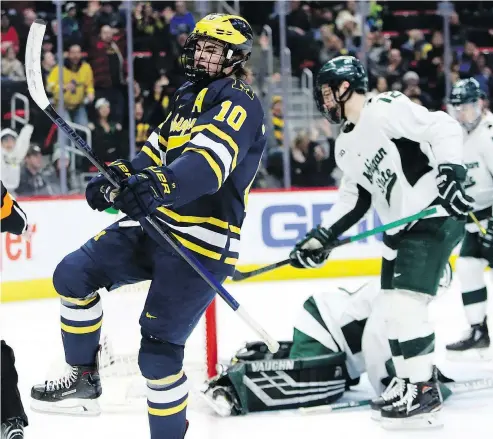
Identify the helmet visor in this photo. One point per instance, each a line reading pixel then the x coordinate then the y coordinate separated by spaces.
pixel 467 115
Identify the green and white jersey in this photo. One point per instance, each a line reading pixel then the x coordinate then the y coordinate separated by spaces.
pixel 478 158
pixel 389 160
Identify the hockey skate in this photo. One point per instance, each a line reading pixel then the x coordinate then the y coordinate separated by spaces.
pixel 475 345
pixel 394 392
pixel 75 393
pixel 418 408
pixel 13 429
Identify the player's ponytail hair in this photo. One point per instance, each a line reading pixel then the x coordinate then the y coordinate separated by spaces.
pixel 241 73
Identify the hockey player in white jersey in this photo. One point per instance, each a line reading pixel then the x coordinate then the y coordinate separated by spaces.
pixel 476 251
pixel 400 158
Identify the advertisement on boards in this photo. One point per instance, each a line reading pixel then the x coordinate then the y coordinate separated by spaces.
pixel 275 221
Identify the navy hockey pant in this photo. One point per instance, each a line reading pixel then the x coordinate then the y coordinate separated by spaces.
pixel 176 300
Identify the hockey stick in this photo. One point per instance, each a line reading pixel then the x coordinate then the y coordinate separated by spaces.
pixel 242 275
pixel 457 387
pixel 482 230
pixel 38 94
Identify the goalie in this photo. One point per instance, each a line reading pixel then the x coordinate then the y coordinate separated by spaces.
pixel 338 336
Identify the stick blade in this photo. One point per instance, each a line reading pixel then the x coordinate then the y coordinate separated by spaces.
pixel 33 64
pixel 239 275
pixel 272 343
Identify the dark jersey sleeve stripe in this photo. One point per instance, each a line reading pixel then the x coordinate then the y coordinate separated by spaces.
pixel 362 205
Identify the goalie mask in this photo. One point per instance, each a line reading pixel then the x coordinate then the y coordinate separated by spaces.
pixel 219 42
pixel 464 103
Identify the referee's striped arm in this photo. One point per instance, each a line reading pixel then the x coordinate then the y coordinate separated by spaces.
pixel 13 218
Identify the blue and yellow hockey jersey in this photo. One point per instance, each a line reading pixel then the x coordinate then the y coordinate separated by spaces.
pixel 212 140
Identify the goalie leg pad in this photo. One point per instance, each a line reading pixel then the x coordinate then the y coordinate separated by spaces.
pixel 167 388
pixel 279 383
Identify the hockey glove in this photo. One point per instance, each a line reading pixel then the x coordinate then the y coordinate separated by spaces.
pixel 313 249
pixel 99 190
pixel 451 193
pixel 486 242
pixel 143 193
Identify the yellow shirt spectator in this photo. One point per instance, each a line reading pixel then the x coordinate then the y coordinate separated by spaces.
pixel 78 80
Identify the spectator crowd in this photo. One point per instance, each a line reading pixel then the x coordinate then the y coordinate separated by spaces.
pixel 401 42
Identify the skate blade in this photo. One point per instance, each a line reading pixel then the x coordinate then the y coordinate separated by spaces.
pixel 71 407
pixel 471 355
pixel 418 422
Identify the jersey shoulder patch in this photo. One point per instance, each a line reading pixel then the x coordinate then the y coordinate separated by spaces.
pixel 235 90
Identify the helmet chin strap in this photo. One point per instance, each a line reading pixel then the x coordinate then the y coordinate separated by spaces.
pixel 342 100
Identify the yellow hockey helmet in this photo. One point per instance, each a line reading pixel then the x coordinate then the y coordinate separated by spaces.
pixel 217 42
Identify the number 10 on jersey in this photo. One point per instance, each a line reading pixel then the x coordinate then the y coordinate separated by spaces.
pixel 236 116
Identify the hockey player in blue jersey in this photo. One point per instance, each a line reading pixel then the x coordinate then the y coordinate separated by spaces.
pixel 193 173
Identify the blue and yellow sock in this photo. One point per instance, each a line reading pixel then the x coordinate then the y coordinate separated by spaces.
pixel 81 321
pixel 167 401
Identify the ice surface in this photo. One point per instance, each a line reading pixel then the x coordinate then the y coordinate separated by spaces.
pixel 32 329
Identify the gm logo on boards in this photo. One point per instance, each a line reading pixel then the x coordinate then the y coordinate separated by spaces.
pixel 284 225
